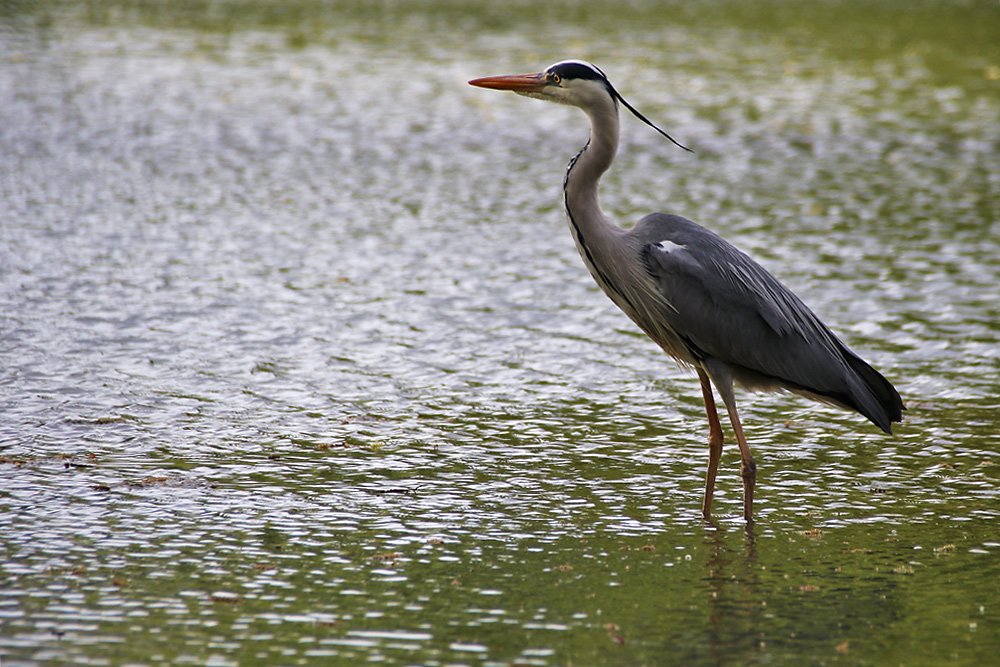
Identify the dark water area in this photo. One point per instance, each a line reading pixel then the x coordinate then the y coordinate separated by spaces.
pixel 299 364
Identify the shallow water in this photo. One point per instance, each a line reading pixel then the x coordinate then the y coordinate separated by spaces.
pixel 298 363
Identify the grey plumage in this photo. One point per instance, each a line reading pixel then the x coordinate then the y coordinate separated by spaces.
pixel 733 312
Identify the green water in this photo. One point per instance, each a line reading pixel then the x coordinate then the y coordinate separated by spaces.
pixel 299 365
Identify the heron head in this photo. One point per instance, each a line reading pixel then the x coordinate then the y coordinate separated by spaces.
pixel 573 82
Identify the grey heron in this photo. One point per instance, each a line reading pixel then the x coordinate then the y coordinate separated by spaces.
pixel 703 301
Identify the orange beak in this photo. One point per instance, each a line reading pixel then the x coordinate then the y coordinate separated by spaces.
pixel 519 83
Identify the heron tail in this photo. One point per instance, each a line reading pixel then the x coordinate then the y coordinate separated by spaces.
pixel 876 398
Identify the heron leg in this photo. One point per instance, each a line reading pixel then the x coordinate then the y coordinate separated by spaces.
pixel 723 381
pixel 748 467
pixel 714 441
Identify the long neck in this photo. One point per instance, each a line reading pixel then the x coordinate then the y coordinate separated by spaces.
pixel 597 238
pixel 585 171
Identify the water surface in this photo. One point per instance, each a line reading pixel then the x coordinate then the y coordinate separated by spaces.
pixel 298 363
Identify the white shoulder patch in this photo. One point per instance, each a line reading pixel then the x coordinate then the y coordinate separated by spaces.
pixel 669 246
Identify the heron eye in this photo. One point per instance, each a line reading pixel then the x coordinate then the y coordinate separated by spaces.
pixel 555 79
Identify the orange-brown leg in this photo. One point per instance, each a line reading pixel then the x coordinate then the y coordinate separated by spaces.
pixel 714 441
pixel 748 467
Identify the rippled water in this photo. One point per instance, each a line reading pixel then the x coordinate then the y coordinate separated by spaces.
pixel 298 364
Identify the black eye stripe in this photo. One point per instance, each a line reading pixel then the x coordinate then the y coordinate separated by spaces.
pixel 576 71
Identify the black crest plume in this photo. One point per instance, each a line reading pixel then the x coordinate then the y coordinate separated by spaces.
pixel 635 112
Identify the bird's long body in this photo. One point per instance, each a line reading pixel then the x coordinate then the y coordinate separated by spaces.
pixel 702 300
pixel 732 312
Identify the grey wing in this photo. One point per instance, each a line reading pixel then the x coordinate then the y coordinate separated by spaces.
pixel 725 306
